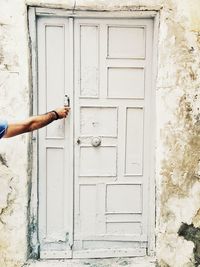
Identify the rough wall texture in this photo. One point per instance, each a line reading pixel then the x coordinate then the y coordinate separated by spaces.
pixel 177 153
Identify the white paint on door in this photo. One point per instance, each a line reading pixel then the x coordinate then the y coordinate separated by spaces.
pixel 112 97
pixel 54 140
pixel 111 180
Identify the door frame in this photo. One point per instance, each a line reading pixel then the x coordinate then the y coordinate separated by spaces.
pixel 33 14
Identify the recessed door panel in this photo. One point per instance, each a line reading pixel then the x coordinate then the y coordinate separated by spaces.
pixel 126 41
pixel 98 161
pixel 88 209
pixel 123 198
pixel 55 74
pixel 54 201
pixel 131 228
pixel 89 60
pixel 134 141
pixel 125 82
pixel 93 121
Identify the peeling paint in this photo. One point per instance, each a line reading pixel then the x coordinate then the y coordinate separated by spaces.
pixel 183 138
pixel 33 246
pixel 191 233
pixel 8 197
pixel 3 160
pixel 7 202
pixel 196 219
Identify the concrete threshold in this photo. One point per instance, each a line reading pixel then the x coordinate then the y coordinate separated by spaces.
pixel 111 262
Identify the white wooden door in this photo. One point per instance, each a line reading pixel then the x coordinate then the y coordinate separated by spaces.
pixel 93 183
pixel 55 159
pixel 112 123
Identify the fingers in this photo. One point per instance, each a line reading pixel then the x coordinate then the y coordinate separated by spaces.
pixel 63 112
pixel 66 110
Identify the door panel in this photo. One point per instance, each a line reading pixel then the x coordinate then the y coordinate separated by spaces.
pixel 134 141
pixel 121 80
pixel 93 121
pixel 55 183
pixel 54 140
pixel 121 199
pixel 89 82
pixel 98 162
pixel 122 41
pixel 112 175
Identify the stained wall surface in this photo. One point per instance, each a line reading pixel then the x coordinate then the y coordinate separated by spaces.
pixel 177 148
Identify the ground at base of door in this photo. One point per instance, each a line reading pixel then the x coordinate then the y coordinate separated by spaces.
pixel 112 262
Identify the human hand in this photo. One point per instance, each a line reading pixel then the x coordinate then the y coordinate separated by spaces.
pixel 62 112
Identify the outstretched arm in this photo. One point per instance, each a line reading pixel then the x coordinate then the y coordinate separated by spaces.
pixel 35 122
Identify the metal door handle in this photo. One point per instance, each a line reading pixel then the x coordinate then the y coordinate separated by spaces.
pixel 66 101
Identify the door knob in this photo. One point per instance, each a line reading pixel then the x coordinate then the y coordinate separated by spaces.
pixel 96 141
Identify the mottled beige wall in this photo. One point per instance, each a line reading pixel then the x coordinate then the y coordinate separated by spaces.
pixel 177 126
pixel 178 135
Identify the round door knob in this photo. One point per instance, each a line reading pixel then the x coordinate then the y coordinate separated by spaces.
pixel 96 141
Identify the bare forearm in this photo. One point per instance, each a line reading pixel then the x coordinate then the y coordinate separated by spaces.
pixel 40 121
pixel 36 122
pixel 30 124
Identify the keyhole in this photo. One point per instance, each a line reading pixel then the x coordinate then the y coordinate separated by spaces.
pixel 78 141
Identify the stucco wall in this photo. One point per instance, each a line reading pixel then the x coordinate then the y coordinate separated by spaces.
pixel 177 152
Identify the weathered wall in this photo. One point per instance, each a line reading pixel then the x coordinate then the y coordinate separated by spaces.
pixel 177 132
